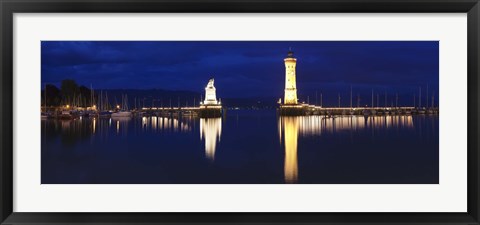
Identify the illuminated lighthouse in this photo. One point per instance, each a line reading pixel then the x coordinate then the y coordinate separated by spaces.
pixel 290 80
pixel 290 106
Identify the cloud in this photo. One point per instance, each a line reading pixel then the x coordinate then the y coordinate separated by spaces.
pixel 246 68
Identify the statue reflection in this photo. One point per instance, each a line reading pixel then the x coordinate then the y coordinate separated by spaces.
pixel 210 130
pixel 290 126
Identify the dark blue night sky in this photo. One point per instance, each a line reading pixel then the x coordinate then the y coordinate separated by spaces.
pixel 246 68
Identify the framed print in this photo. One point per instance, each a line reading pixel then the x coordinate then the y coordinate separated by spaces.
pixel 198 112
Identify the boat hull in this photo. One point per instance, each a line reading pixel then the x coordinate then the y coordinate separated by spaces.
pixel 122 114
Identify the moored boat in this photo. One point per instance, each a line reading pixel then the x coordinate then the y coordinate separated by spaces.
pixel 123 111
pixel 122 114
pixel 45 115
pixel 104 114
pixel 67 115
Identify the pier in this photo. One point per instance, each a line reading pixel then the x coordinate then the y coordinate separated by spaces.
pixel 292 107
pixel 202 111
pixel 209 108
pixel 304 109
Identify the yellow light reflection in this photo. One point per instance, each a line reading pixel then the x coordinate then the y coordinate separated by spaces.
pixel 290 126
pixel 144 122
pixel 94 125
pixel 316 125
pixel 160 123
pixel 175 124
pixel 165 124
pixel 154 123
pixel 210 130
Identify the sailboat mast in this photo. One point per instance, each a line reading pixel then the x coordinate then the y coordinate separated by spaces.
pixel 385 104
pixel 372 99
pixel 427 95
pixel 396 100
pixel 321 99
pixel 126 102
pixel 91 95
pixel 414 100
pixel 350 96
pixel 433 100
pixel 100 101
pixel 419 97
pixel 45 97
pixel 106 101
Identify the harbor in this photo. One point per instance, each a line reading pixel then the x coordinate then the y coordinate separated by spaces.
pixel 208 108
pixel 240 112
pixel 211 106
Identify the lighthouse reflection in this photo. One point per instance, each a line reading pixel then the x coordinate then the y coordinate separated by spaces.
pixel 210 130
pixel 243 147
pixel 291 127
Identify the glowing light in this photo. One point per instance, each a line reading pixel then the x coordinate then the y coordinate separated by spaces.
pixel 118 106
pixel 210 106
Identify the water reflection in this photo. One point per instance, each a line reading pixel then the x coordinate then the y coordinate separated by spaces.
pixel 155 123
pixel 121 124
pixel 210 130
pixel 94 125
pixel 291 127
pixel 70 132
pixel 242 147
pixel 316 125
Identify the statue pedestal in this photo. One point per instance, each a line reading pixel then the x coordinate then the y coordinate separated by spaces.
pixel 210 111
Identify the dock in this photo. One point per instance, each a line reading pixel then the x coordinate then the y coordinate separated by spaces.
pixel 202 111
pixel 304 110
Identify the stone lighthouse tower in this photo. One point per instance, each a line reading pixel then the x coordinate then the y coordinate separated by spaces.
pixel 290 80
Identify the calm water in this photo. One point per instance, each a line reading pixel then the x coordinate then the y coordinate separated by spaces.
pixel 243 147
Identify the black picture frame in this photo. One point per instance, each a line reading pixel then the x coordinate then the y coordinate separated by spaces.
pixel 9 7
